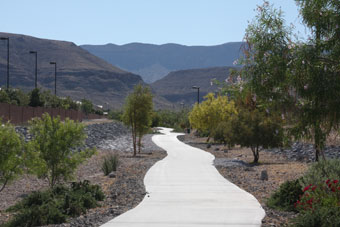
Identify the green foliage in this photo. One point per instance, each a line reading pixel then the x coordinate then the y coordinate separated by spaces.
pixel 54 206
pixel 138 114
pixel 54 146
pixel 254 129
pixel 86 106
pixel 4 98
pixel 35 99
pixel 220 132
pixel 286 196
pixel 110 164
pixel 207 115
pixel 319 205
pixel 178 120
pixel 321 171
pixel 115 115
pixel 298 78
pixel 11 154
pixel 322 217
pixel 17 97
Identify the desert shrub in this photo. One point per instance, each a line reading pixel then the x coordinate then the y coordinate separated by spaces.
pixel 286 196
pixel 178 120
pixel 11 154
pixel 54 206
pixel 319 205
pixel 110 164
pixel 220 132
pixel 321 171
pixel 53 148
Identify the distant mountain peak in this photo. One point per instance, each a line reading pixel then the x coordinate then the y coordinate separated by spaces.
pixel 141 58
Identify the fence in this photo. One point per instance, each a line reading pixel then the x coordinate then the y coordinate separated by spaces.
pixel 22 114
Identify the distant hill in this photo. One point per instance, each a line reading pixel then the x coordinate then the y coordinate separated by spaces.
pixel 153 62
pixel 176 87
pixel 79 73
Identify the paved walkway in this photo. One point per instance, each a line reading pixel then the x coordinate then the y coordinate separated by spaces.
pixel 186 190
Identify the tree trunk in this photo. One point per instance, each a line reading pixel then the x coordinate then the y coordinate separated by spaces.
pixel 318 140
pixel 134 141
pixel 256 154
pixel 139 143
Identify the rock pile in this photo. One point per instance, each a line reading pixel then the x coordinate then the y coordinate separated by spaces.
pixel 305 152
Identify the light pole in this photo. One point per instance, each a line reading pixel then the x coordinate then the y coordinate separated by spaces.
pixel 55 77
pixel 198 93
pixel 7 38
pixel 36 68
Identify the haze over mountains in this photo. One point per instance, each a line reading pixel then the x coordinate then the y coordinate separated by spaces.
pixel 79 73
pixel 153 62
pixel 176 87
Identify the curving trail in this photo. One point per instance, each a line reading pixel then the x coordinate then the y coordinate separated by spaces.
pixel 186 190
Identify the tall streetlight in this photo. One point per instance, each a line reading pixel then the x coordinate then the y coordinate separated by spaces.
pixel 55 77
pixel 198 93
pixel 7 38
pixel 36 67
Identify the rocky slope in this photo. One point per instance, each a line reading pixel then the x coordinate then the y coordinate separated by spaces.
pixel 79 73
pixel 176 87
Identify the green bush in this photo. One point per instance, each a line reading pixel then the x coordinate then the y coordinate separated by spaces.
pixel 321 171
pixel 53 148
pixel 319 205
pixel 286 196
pixel 110 164
pixel 54 206
pixel 12 155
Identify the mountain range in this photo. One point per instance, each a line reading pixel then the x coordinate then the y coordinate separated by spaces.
pixel 176 87
pixel 79 73
pixel 153 62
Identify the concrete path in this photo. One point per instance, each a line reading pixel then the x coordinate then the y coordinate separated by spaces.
pixel 186 190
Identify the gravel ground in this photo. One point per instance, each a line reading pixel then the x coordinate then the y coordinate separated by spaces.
pixel 123 192
pixel 235 165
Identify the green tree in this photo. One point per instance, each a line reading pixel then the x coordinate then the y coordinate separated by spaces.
pixel 11 154
pixel 207 115
pixel 4 98
pixel 299 78
pixel 35 98
pixel 86 106
pixel 55 148
pixel 254 129
pixel 138 114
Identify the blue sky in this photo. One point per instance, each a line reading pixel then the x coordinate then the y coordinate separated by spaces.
pixel 188 22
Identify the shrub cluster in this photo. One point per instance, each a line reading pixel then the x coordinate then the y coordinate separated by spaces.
pixel 316 196
pixel 178 120
pixel 54 206
pixel 286 196
pixel 110 164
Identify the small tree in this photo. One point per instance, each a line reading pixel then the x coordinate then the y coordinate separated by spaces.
pixel 254 129
pixel 55 145
pixel 86 106
pixel 11 154
pixel 35 98
pixel 138 114
pixel 207 115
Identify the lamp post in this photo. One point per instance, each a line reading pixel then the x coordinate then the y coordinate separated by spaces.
pixel 55 77
pixel 198 93
pixel 7 38
pixel 36 68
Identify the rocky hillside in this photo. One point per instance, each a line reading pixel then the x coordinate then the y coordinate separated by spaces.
pixel 176 87
pixel 153 62
pixel 79 73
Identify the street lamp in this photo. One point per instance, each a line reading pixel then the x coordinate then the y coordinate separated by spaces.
pixel 55 77
pixel 198 93
pixel 7 38
pixel 36 67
